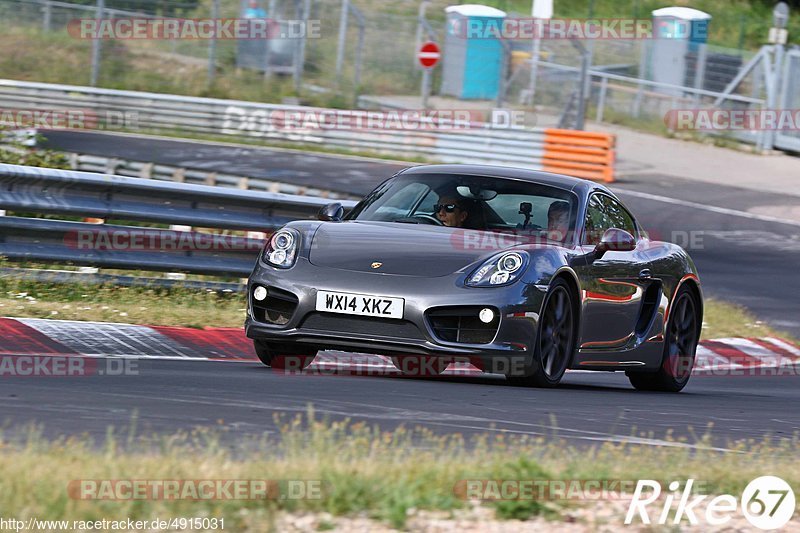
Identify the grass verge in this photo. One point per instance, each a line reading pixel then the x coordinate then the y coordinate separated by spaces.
pixel 135 305
pixel 361 470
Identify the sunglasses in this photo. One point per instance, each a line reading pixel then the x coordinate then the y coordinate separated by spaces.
pixel 448 208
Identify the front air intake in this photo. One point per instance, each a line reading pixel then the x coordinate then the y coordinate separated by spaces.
pixel 277 308
pixel 462 324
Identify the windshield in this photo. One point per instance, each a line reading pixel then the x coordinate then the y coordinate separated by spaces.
pixel 472 202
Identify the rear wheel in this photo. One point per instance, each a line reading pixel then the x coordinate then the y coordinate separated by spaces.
pixel 680 347
pixel 555 344
pixel 283 356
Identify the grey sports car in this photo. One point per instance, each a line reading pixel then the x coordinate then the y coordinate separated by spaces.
pixel 519 272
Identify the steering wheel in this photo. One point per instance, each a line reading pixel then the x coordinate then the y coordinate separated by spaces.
pixel 430 219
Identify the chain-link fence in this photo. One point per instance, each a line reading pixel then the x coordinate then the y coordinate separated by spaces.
pixel 376 54
pixel 628 81
pixel 371 51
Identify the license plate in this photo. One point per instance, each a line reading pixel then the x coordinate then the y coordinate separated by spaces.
pixel 360 304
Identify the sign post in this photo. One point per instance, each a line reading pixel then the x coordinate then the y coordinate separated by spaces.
pixel 427 56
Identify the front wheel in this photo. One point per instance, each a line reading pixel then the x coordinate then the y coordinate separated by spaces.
pixel 282 356
pixel 556 341
pixel 680 347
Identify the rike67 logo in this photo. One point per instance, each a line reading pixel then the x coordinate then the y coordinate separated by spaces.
pixel 767 502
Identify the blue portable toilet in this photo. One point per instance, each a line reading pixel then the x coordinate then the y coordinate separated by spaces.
pixel 472 59
pixel 682 24
pixel 679 33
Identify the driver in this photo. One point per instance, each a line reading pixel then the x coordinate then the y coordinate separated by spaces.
pixel 558 221
pixel 451 211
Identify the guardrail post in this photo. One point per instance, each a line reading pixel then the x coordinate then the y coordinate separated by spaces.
pixel 177 276
pixel 147 171
pixel 111 166
pixel 211 178
pixel 179 175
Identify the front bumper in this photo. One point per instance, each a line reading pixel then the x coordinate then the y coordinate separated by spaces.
pixel 517 306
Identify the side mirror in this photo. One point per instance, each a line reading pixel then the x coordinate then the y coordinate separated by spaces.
pixel 615 239
pixel 331 213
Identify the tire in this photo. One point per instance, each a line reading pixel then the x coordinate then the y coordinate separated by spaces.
pixel 555 340
pixel 283 356
pixel 420 365
pixel 680 347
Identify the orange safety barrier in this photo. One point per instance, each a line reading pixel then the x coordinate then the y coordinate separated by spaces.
pixel 583 154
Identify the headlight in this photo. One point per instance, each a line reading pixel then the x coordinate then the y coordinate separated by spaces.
pixel 500 269
pixel 281 250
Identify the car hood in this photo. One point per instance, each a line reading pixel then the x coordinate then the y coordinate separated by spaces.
pixel 403 249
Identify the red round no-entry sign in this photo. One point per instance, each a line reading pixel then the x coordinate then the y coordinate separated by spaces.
pixel 429 54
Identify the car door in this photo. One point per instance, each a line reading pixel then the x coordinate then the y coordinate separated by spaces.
pixel 613 283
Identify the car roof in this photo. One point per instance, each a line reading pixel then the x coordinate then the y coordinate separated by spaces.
pixel 582 187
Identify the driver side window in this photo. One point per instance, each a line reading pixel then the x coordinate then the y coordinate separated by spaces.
pixel 602 214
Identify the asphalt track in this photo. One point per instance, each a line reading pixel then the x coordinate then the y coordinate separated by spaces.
pixel 240 399
pixel 740 258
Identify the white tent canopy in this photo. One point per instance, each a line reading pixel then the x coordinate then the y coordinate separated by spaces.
pixel 683 13
pixel 476 10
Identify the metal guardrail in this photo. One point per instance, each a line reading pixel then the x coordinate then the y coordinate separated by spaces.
pixel 81 194
pixel 151 112
pixel 157 171
pixel 14 140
